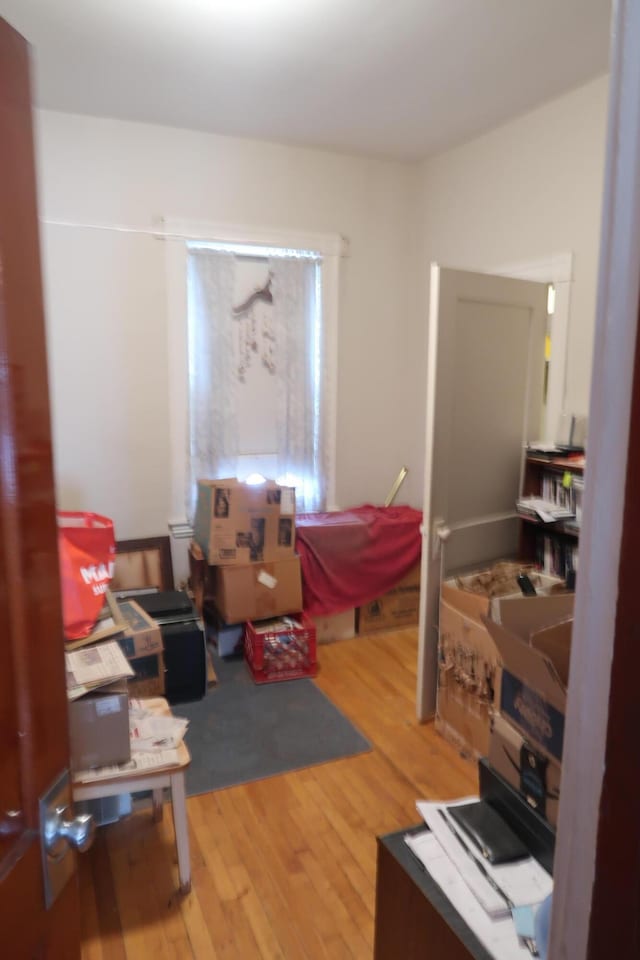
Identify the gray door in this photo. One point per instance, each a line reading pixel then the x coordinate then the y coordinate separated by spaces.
pixel 484 401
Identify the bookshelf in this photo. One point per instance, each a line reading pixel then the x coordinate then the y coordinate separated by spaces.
pixel 552 546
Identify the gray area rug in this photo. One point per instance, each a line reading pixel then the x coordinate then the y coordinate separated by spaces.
pixel 243 731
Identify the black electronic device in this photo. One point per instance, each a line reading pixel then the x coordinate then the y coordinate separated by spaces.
pixel 527 588
pixel 537 833
pixel 183 640
pixel 493 837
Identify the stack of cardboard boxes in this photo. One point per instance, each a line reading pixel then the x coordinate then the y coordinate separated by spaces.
pixel 243 563
pixel 122 656
pixel 503 675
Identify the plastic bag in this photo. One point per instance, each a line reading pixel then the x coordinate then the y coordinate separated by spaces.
pixel 86 546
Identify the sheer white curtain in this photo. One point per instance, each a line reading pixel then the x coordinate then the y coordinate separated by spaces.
pixel 213 435
pixel 297 312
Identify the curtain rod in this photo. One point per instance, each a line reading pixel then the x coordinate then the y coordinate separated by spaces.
pixel 233 236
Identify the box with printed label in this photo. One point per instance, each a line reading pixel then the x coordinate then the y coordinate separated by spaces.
pixel 398 607
pixel 257 591
pixel 533 639
pixel 142 636
pixel 469 663
pixel 534 776
pixel 99 727
pixel 239 523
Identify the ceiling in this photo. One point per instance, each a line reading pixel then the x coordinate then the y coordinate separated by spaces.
pixel 396 78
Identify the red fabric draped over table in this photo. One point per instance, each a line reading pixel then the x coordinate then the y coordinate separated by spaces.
pixel 350 557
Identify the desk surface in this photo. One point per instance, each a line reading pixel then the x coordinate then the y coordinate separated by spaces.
pixel 395 845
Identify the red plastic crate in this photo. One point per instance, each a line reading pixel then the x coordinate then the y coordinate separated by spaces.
pixel 284 653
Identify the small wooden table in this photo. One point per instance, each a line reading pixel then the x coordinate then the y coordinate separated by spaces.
pixel 156 781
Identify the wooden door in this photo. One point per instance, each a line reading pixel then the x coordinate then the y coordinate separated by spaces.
pixel 33 710
pixel 484 401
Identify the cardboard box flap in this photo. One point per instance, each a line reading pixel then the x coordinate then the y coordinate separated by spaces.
pixel 555 643
pixel 523 616
pixel 530 665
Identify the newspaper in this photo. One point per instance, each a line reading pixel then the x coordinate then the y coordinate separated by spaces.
pixel 148 731
pixel 91 667
pixel 141 762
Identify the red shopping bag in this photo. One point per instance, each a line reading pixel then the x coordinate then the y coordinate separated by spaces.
pixel 86 545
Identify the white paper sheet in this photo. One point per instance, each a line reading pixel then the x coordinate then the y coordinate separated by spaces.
pixel 498 936
pixel 140 763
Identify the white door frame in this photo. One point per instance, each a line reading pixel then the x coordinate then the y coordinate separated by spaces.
pixel 558 270
pixel 596 599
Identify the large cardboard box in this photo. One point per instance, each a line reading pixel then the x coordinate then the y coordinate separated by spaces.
pixel 469 662
pixel 399 607
pixel 99 727
pixel 258 591
pixel 238 523
pixel 335 626
pixel 533 639
pixel 535 777
pixel 468 680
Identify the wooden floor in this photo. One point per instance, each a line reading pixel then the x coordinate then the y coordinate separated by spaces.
pixel 284 867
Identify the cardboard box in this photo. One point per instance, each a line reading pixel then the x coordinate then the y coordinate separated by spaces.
pixel 258 591
pixel 149 679
pixel 99 727
pixel 237 523
pixel 335 626
pixel 469 662
pixel 399 607
pixel 534 645
pixel 142 635
pixel 468 681
pixel 534 776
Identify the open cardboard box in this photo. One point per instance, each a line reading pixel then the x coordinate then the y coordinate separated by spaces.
pixel 533 639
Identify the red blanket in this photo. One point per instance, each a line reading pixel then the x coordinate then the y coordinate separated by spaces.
pixel 353 556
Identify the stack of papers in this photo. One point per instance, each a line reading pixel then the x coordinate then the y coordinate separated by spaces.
pixel 151 731
pixel 92 667
pixel 140 763
pixel 500 894
pixel 544 510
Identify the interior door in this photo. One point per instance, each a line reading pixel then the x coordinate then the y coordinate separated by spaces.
pixel 484 401
pixel 33 710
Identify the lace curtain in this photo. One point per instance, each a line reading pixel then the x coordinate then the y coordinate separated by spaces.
pixel 213 433
pixel 298 367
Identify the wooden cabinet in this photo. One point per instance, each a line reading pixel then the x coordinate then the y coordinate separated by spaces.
pixel 553 547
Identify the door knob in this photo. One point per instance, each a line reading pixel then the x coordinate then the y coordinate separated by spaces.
pixel 60 833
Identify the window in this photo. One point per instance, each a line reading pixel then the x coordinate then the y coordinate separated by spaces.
pixel 252 358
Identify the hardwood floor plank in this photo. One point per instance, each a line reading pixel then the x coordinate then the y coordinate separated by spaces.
pixel 283 868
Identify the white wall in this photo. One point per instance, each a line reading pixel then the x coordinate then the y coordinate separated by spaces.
pixel 106 297
pixel 525 191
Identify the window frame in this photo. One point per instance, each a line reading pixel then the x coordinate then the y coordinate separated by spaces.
pixel 178 234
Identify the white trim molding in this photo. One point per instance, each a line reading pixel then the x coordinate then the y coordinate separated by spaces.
pixel 327 244
pixel 597 589
pixel 177 234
